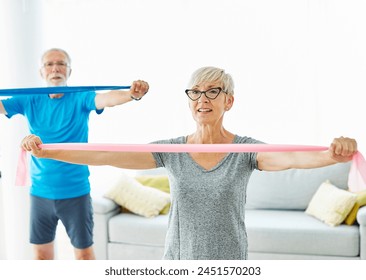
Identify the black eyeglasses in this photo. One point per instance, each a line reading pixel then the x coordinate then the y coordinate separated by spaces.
pixel 211 93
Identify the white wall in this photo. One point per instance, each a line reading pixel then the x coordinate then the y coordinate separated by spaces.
pixel 299 66
pixel 21 40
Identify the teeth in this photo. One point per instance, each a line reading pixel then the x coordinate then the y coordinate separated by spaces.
pixel 204 110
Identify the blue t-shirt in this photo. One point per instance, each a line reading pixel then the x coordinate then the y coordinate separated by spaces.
pixel 63 120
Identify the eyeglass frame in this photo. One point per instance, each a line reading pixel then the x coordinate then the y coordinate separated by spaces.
pixel 61 64
pixel 204 92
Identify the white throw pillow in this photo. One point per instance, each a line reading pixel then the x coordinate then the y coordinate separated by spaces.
pixel 331 204
pixel 137 198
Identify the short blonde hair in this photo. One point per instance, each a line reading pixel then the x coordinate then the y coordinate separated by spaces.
pixel 213 74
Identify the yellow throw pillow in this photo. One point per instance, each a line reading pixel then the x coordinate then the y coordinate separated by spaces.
pixel 360 201
pixel 160 182
pixel 331 204
pixel 139 199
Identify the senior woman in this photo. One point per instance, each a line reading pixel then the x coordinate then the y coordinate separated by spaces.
pixel 208 190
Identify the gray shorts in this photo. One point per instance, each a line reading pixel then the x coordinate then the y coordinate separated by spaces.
pixel 75 213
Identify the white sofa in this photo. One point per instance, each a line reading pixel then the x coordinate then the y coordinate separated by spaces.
pixel 277 225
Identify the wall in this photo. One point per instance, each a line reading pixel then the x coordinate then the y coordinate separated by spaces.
pixel 299 66
pixel 20 26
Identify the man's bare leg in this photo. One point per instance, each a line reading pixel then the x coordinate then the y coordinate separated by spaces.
pixel 44 251
pixel 84 254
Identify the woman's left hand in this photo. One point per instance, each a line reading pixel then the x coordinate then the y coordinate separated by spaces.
pixel 342 149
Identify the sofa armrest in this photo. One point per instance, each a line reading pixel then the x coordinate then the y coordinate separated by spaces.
pixel 103 209
pixel 361 219
pixel 361 216
pixel 102 205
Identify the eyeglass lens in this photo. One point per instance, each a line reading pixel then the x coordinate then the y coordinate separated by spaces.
pixel 210 94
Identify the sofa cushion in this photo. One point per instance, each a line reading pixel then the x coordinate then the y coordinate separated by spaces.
pixel 135 197
pixel 331 204
pixel 292 189
pixel 122 251
pixel 133 229
pixel 270 231
pixel 294 232
pixel 160 182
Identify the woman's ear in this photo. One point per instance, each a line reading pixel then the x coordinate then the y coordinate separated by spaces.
pixel 229 102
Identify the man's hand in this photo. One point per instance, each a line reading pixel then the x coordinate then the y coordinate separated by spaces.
pixel 30 143
pixel 342 149
pixel 138 89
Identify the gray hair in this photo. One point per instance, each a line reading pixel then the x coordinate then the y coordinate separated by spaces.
pixel 57 50
pixel 213 74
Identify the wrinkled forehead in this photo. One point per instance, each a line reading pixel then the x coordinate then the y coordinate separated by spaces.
pixel 55 56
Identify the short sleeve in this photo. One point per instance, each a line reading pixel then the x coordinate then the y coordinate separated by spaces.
pixel 89 98
pixel 14 105
pixel 159 157
pixel 252 156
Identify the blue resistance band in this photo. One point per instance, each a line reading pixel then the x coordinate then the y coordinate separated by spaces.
pixel 51 90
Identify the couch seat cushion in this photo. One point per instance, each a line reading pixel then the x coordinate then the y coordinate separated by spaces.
pixel 134 229
pixel 294 232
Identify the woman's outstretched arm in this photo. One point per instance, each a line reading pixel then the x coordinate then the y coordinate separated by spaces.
pixel 127 160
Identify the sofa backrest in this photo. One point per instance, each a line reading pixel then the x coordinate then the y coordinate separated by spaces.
pixel 294 188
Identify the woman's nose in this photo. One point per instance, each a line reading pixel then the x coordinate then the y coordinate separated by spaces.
pixel 203 98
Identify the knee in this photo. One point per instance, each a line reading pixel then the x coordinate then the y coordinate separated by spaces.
pixel 85 254
pixel 44 252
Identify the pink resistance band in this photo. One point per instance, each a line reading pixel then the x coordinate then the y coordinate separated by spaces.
pixel 356 178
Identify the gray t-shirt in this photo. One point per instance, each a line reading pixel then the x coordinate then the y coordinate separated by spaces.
pixel 206 219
